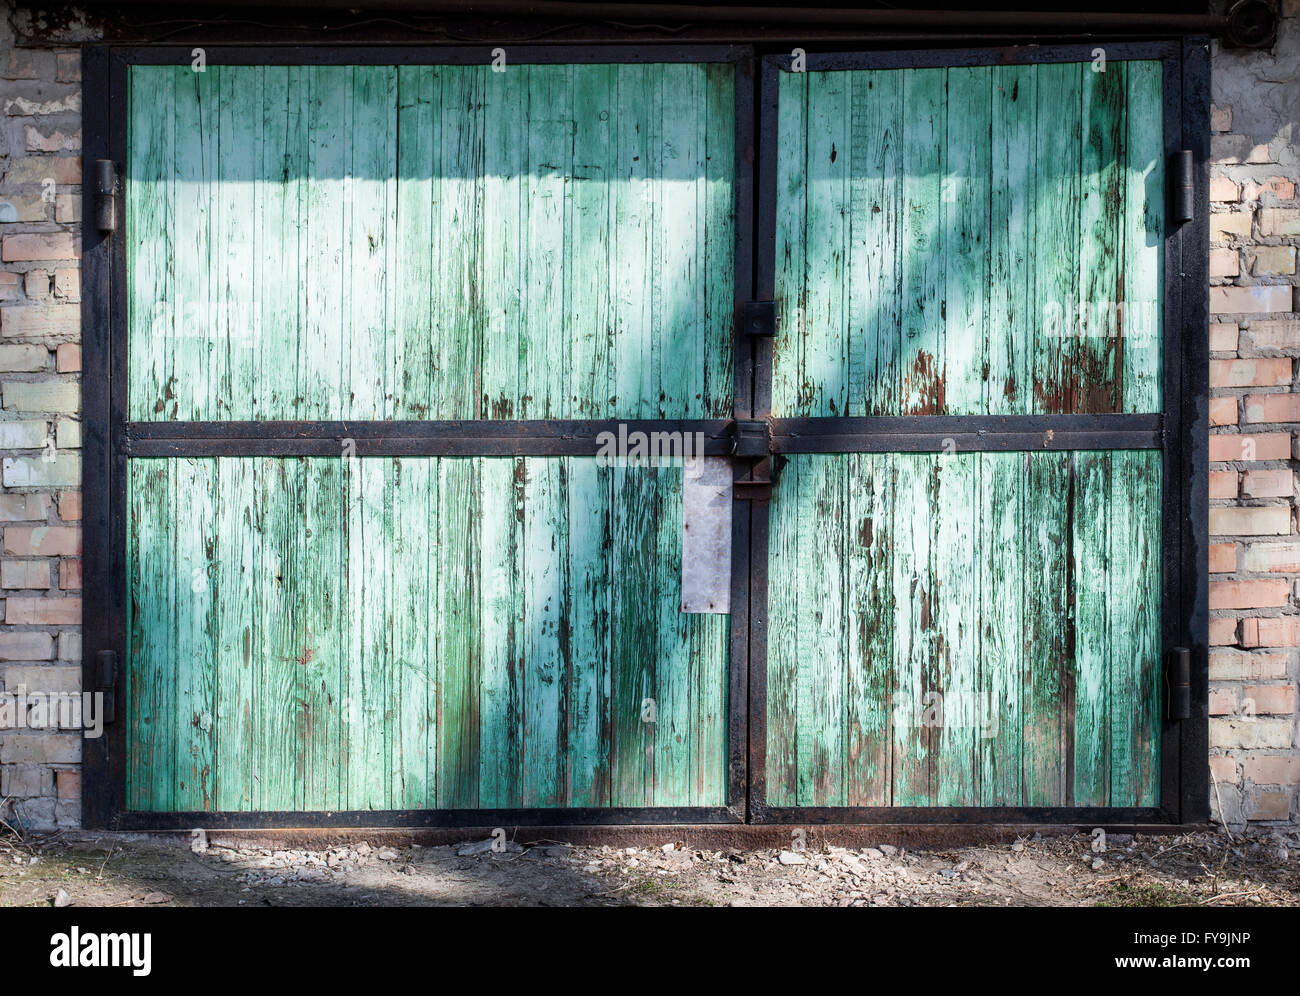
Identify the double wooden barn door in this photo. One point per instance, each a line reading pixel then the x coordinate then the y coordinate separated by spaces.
pixel 372 322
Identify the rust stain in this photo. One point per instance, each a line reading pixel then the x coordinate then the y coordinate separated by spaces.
pixel 924 382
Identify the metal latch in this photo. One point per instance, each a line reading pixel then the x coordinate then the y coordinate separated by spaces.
pixel 760 317
pixel 106 680
pixel 1178 682
pixel 1184 172
pixel 105 195
pixel 752 441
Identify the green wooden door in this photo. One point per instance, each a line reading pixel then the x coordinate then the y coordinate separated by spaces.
pixel 964 602
pixel 348 590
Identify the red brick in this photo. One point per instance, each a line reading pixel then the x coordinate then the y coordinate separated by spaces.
pixel 1259 594
pixel 70 506
pixel 67 358
pixel 1223 484
pixel 1223 631
pixel 1223 558
pixel 1279 186
pixel 1225 263
pixel 1256 446
pixel 1278 333
pixel 1273 770
pixel 1272 700
pixel 1271 806
pixel 70 575
pixel 50 245
pixel 43 611
pixel 1223 337
pixel 1223 190
pixel 1267 483
pixel 1272 557
pixel 68 784
pixel 1262 372
pixel 1270 408
pixel 1223 702
pixel 1224 769
pixel 42 541
pixel 1223 411
pixel 1282 631
pixel 1258 300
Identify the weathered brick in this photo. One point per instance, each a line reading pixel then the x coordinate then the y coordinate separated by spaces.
pixel 1267 483
pixel 37 472
pixel 67 358
pixel 42 541
pixel 1241 665
pixel 25 435
pixel 47 396
pixel 69 68
pixel 37 284
pixel 67 208
pixel 67 284
pixel 1250 300
pixel 16 645
pixel 52 139
pixel 70 575
pixel 1223 558
pixel 1278 631
pixel 1276 186
pixel 1230 226
pixel 1271 700
pixel 23 508
pixel 1271 372
pixel 42 611
pixel 1224 263
pixel 24 358
pixel 67 784
pixel 70 506
pixel 1280 221
pixel 63 170
pixel 35 748
pixel 9 286
pixel 1271 806
pixel 1271 261
pixel 1272 408
pixel 1223 337
pixel 1223 484
pixel 36 321
pixel 1282 557
pixel 49 245
pixel 67 434
pixel 1223 411
pixel 69 648
pixel 1221 119
pixel 1251 446
pixel 1224 768
pixel 1249 732
pixel 41 677
pixel 24 574
pixel 1268 520
pixel 1223 702
pixel 1223 190
pixel 21 781
pixel 1273 770
pixel 1256 594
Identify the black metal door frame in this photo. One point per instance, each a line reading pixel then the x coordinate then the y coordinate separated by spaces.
pixel 1180 431
pixel 111 438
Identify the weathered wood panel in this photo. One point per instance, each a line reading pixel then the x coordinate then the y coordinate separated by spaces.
pixel 327 634
pixel 376 242
pixel 974 629
pixel 969 240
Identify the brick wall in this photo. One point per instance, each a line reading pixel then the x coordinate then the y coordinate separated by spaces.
pixel 1255 434
pixel 40 431
pixel 1255 412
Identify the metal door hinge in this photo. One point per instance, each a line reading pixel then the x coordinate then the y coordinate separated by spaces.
pixel 1178 683
pixel 750 439
pixel 1184 185
pixel 760 317
pixel 106 681
pixel 105 195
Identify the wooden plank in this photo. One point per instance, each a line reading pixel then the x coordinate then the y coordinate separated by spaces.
pixel 674 733
pixel 869 598
pixel 967 210
pixel 234 566
pixel 505 224
pixel 588 516
pixel 1144 228
pixel 410 350
pixel 913 627
pixel 1092 600
pixel 875 220
pixel 150 233
pixel 954 600
pixel 789 391
pixel 460 647
pixel 150 678
pixel 1046 578
pixel 1134 616
pixel 1097 380
pixel 923 262
pixel 714 352
pixel 194 514
pixel 782 634
pixel 1003 529
pixel 410 716
pixel 1013 322
pixel 1056 236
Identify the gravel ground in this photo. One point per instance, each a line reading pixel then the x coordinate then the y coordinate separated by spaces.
pixel 1261 868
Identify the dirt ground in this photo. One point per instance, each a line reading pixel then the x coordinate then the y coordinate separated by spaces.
pixel 1261 868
